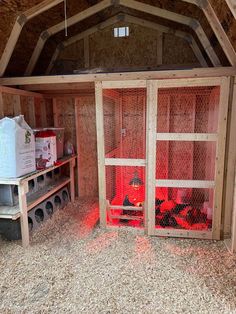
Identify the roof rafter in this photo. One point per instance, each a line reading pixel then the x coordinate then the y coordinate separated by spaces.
pixel 134 20
pixel 133 4
pixel 21 20
pixel 232 6
pixel 217 27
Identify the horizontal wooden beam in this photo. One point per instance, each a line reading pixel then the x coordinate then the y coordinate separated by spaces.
pixel 145 75
pixel 128 162
pixel 198 184
pixel 14 91
pixel 181 233
pixel 126 84
pixel 191 82
pixel 192 137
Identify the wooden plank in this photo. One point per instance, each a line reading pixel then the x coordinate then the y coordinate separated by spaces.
pixel 232 6
pixel 40 8
pixel 86 52
pixel 125 162
pixel 126 217
pixel 126 207
pixel 101 153
pixel 150 180
pixel 183 233
pixel 220 157
pixel 146 75
pixel 191 82
pixel 59 27
pixel 11 43
pixel 201 184
pixel 14 91
pixel 205 137
pixel 122 84
pixel 230 162
pixel 72 180
pixel 22 190
pixel 233 236
pixel 31 110
pixel 182 19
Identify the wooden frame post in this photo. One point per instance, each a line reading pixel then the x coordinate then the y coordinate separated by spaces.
pixel 1 106
pixel 233 234
pixel 220 156
pixel 150 184
pixel 101 153
pixel 22 190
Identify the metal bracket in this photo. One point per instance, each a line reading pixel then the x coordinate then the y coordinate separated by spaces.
pixel 194 24
pixel 22 19
pixel 45 35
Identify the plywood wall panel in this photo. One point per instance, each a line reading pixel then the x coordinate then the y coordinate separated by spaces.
pixel 87 147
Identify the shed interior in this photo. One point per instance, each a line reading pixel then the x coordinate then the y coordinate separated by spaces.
pixel 104 71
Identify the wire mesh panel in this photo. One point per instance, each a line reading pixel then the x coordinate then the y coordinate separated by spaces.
pixel 187 126
pixel 124 122
pixel 125 191
pixel 185 208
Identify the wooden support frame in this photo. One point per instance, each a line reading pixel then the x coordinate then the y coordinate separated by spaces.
pixel 217 27
pixel 133 4
pixel 101 153
pixel 17 28
pixel 233 235
pixel 232 6
pixel 59 27
pixel 121 76
pixel 134 20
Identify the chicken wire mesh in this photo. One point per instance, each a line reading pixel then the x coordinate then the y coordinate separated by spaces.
pixel 186 110
pixel 184 208
pixel 124 123
pixel 125 189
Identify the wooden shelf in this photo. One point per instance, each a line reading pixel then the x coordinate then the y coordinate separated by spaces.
pixel 13 212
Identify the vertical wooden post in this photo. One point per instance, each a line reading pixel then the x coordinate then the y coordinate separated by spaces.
pixel 1 106
pixel 31 109
pixel 150 182
pixel 22 190
pixel 220 156
pixel 72 180
pixel 101 153
pixel 86 52
pixel 159 48
pixel 16 105
pixel 230 160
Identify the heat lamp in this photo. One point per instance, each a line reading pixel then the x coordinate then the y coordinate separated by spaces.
pixel 136 182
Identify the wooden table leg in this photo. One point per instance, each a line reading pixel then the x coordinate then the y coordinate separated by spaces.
pixel 22 190
pixel 72 180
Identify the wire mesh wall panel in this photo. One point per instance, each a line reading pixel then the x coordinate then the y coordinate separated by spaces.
pixel 125 199
pixel 124 122
pixel 124 136
pixel 187 126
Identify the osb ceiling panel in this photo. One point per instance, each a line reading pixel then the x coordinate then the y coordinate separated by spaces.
pixel 10 9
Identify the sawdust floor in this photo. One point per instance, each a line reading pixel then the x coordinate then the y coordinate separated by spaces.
pixel 72 266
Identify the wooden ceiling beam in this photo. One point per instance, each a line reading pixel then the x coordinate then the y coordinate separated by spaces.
pixel 144 75
pixel 59 27
pixel 17 28
pixel 232 6
pixel 182 19
pixel 130 19
pixel 133 4
pixel 217 27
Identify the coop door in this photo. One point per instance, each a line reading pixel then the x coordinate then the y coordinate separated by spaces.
pixel 190 129
pixel 124 146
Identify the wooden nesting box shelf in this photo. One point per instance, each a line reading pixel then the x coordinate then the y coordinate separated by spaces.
pixel 27 203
